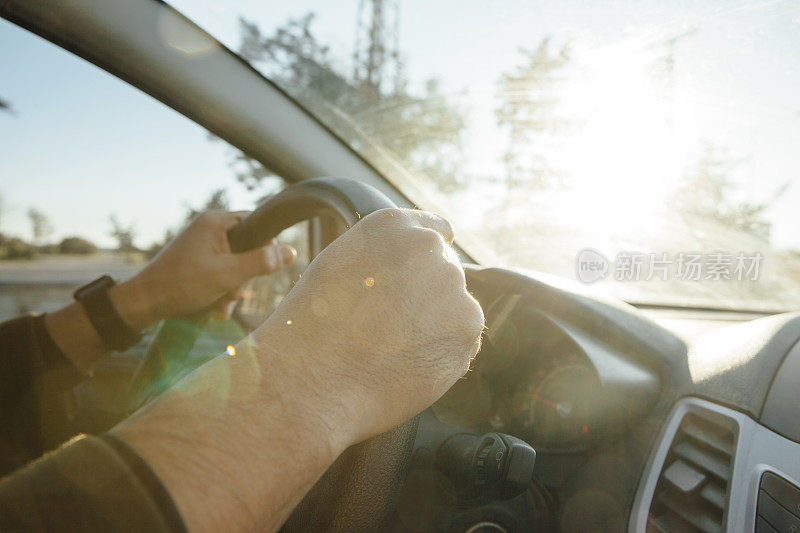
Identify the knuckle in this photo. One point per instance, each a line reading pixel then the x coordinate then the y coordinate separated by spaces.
pixel 206 218
pixel 386 217
pixel 447 227
pixel 437 222
pixel 470 317
pixel 462 357
pixel 478 321
pixel 455 271
pixel 428 240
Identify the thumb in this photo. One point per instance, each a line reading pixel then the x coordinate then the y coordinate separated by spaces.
pixel 264 260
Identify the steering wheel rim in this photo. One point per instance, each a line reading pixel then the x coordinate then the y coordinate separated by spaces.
pixel 358 491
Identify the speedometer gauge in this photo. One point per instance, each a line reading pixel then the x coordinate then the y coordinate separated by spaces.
pixel 558 411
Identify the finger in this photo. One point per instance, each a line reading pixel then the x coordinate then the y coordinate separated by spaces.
pixel 219 218
pixel 263 260
pixel 230 218
pixel 222 221
pixel 434 222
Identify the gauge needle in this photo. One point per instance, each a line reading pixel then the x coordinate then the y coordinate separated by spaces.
pixel 562 409
pixel 552 404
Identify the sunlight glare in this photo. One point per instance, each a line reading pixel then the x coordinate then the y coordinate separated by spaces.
pixel 632 141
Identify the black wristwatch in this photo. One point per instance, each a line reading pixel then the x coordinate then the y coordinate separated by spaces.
pixel 113 331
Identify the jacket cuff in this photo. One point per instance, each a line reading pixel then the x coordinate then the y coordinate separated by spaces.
pixel 89 484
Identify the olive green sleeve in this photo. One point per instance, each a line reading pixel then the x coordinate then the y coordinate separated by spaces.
pixel 89 484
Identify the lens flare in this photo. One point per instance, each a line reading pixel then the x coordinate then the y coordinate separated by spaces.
pixel 231 350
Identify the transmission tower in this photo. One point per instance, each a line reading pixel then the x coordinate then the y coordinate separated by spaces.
pixel 376 61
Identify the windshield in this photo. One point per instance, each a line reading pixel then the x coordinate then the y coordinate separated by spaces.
pixel 648 148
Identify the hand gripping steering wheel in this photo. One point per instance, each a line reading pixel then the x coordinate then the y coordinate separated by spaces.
pixel 357 492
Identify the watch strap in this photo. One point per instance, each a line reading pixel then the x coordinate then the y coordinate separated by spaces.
pixel 115 334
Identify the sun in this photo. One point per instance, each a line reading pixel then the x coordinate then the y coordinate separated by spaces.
pixel 631 140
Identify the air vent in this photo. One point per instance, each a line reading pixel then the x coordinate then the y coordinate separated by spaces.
pixel 692 489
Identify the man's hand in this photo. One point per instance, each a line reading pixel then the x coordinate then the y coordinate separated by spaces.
pixel 197 271
pixel 377 329
pixel 387 303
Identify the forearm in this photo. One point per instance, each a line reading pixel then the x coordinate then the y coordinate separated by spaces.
pixel 74 334
pixel 196 272
pixel 239 442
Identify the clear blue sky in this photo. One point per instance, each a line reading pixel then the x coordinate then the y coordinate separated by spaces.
pixel 82 144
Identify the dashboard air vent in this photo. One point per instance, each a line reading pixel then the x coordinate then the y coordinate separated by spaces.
pixel 692 489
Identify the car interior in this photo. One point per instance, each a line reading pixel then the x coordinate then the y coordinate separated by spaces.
pixel 583 410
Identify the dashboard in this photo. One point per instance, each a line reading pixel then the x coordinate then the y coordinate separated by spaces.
pixel 757 452
pixel 546 382
pixel 635 427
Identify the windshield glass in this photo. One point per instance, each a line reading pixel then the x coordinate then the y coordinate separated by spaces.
pixel 649 148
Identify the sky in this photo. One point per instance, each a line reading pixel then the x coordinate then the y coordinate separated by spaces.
pixel 81 144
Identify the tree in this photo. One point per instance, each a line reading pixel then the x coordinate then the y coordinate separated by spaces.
pixel 709 191
pixel 124 235
pixel 528 110
pixel 382 121
pixel 15 248
pixel 76 245
pixel 40 226
pixel 217 200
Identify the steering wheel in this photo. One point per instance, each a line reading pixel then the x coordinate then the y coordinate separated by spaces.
pixel 357 492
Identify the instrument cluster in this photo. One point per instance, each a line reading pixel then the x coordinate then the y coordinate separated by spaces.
pixel 536 379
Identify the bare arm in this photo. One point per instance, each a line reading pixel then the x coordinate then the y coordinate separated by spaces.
pixel 378 328
pixel 195 272
pixel 76 337
pixel 239 443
